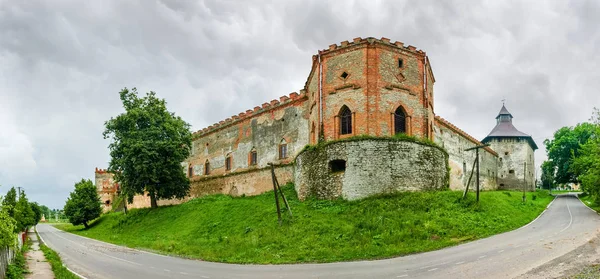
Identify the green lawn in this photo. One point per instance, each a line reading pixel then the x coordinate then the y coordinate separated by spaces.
pixel 245 229
pixel 589 201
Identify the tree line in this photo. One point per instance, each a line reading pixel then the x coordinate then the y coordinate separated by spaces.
pixel 17 214
pixel 574 157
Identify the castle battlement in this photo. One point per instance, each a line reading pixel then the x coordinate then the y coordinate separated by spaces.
pixel 250 113
pixel 370 40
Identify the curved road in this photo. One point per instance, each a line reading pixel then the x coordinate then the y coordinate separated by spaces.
pixel 564 226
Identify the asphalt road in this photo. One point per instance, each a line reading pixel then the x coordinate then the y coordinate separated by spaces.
pixel 564 226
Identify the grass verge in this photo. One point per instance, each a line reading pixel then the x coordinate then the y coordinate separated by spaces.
pixel 589 201
pixel 18 268
pixel 244 229
pixel 60 271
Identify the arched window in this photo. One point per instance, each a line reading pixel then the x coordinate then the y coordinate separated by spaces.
pixel 399 121
pixel 206 167
pixel 228 163
pixel 345 121
pixel 190 171
pixel 253 157
pixel 283 149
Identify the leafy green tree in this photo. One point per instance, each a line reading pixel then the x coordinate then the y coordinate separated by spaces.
pixel 547 178
pixel 587 165
pixel 7 230
pixel 564 147
pixel 83 204
pixel 149 144
pixel 23 213
pixel 37 212
pixel 9 202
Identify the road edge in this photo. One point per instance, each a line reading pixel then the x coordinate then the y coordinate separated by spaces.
pixel 45 243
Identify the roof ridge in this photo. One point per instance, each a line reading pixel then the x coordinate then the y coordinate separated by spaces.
pixel 463 133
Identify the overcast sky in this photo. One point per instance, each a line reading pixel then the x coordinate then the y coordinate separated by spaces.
pixel 62 64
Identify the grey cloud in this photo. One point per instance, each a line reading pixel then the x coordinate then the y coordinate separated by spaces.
pixel 63 63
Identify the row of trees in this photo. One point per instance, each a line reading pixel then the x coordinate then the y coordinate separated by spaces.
pixel 574 156
pixel 17 214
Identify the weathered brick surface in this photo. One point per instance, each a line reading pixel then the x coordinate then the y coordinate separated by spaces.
pixel 374 88
pixel 372 167
pixel 106 188
pixel 248 183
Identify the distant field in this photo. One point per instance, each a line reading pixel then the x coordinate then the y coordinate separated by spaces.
pixel 565 191
pixel 244 229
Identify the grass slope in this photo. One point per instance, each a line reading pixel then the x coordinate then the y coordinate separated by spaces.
pixel 589 201
pixel 245 230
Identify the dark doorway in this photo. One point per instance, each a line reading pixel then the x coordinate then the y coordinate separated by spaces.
pixel 337 165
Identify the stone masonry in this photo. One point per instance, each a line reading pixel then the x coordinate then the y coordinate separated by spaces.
pixel 368 167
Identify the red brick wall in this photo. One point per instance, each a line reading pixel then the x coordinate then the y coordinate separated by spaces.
pixel 374 87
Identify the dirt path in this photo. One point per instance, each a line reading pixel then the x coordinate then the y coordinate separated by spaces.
pixel 37 265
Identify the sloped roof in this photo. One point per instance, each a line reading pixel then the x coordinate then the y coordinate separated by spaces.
pixel 505 129
pixel 503 111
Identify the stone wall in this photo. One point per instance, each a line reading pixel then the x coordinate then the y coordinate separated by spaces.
pixel 358 168
pixel 513 154
pixel 455 141
pixel 261 131
pixel 249 183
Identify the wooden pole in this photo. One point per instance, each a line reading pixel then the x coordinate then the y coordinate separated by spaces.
pixel 275 193
pixel 287 205
pixel 524 181
pixel 477 160
pixel 469 181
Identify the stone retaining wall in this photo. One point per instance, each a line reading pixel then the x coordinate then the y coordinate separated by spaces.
pixel 363 167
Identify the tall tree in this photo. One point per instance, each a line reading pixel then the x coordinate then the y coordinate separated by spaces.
pixel 83 204
pixel 587 164
pixel 23 213
pixel 9 202
pixel 564 147
pixel 547 177
pixel 149 144
pixel 7 230
pixel 37 212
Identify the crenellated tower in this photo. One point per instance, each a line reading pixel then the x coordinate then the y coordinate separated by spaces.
pixel 370 87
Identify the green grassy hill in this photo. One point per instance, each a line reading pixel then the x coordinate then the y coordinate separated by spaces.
pixel 245 229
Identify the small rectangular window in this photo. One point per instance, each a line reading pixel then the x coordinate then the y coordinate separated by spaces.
pixel 511 171
pixel 253 158
pixel 400 63
pixel 206 168
pixel 228 163
pixel 282 151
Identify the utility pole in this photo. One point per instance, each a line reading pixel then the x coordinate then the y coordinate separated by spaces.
pixel 477 162
pixel 19 192
pixel 524 180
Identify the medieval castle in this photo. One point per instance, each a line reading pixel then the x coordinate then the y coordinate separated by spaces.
pixel 358 96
